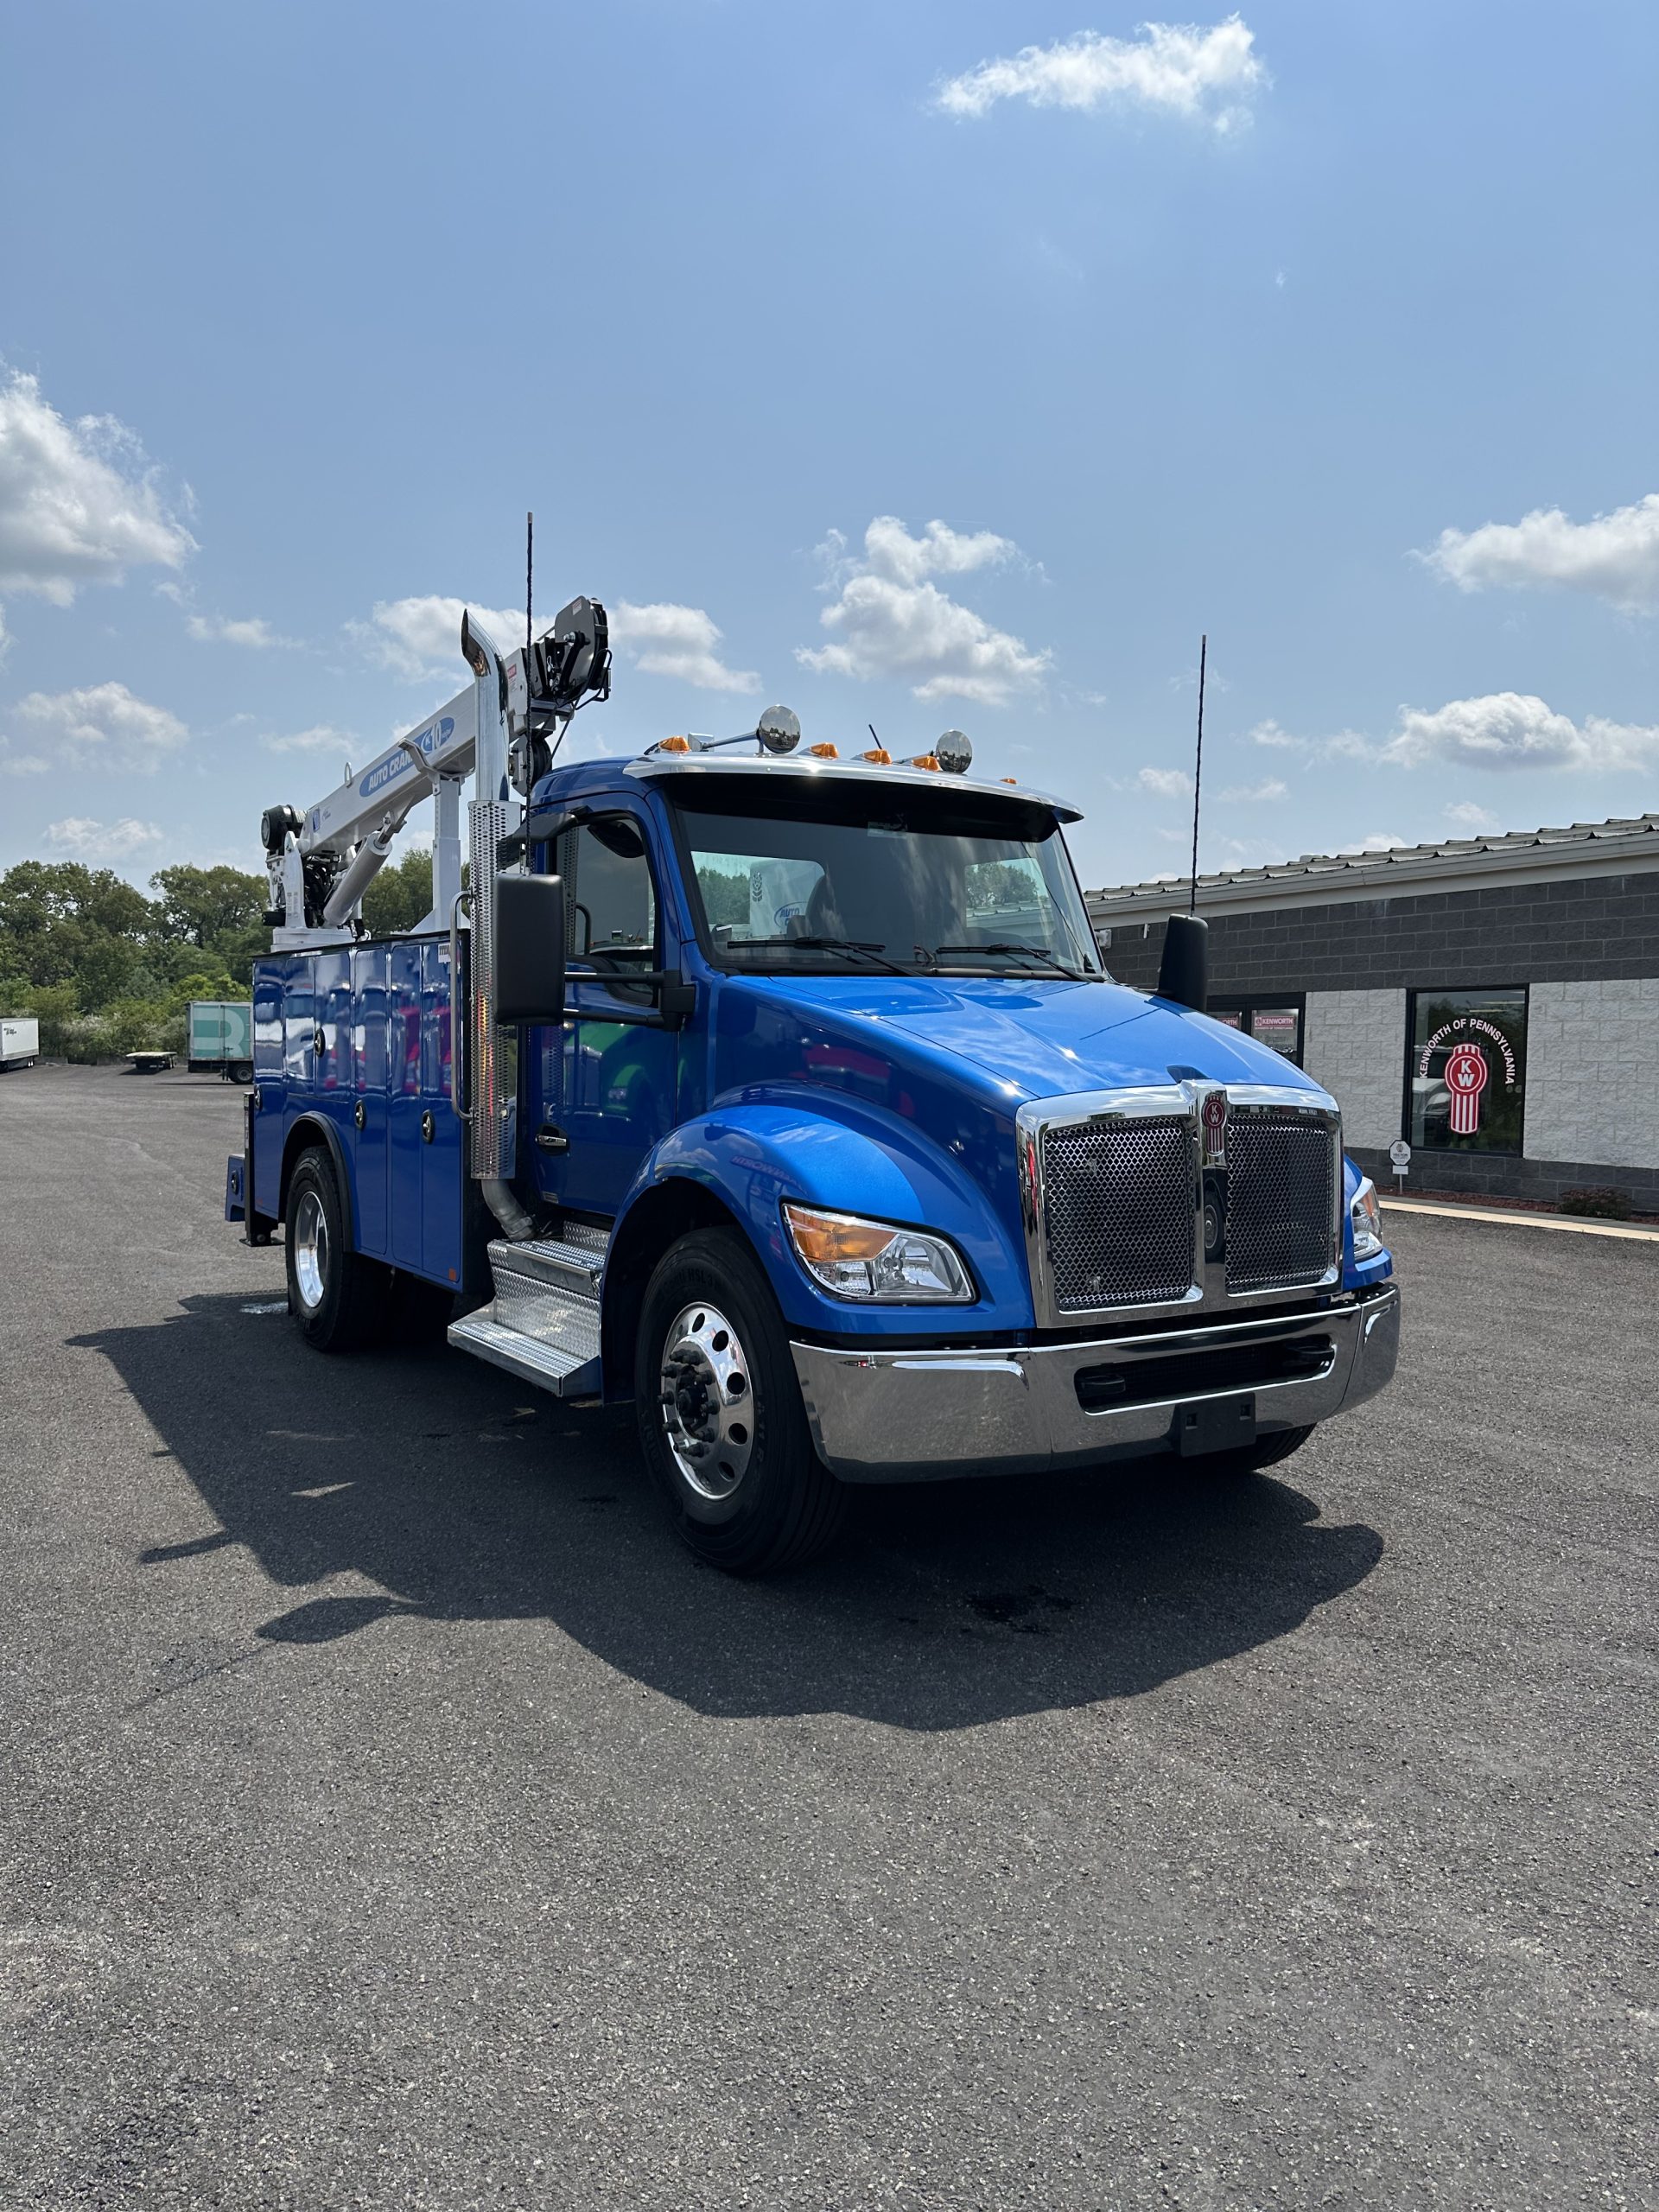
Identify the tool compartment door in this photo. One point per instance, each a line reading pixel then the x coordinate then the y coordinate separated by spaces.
pixel 404 1102
pixel 440 1154
pixel 371 965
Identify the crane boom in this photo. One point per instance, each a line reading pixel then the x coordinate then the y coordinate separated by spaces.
pixel 504 726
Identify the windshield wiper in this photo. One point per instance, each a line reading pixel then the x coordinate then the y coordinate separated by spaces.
pixel 1026 951
pixel 817 945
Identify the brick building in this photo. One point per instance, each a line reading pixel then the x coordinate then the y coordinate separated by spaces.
pixel 1494 1001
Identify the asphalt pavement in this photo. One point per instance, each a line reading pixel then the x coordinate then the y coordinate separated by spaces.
pixel 391 1815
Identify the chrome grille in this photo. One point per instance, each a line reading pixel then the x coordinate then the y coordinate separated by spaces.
pixel 1118 1211
pixel 1282 1198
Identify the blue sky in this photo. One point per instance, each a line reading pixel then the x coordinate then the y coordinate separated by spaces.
pixel 1168 330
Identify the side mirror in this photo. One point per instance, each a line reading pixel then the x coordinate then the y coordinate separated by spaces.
pixel 1184 971
pixel 529 949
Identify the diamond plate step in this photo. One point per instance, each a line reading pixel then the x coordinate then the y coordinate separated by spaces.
pixel 552 1367
pixel 561 1265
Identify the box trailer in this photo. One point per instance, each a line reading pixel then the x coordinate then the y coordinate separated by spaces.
pixel 20 1042
pixel 220 1035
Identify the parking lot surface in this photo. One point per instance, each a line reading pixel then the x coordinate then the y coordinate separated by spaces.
pixel 392 1816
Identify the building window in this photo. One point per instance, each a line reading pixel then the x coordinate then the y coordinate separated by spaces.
pixel 1466 1083
pixel 1276 1020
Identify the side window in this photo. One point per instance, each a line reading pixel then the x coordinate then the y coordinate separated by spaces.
pixel 610 900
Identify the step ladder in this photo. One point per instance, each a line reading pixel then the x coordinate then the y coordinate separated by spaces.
pixel 543 1323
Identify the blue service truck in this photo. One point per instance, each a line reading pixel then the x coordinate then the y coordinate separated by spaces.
pixel 786 1096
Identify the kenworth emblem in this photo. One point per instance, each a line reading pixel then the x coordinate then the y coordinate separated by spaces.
pixel 1465 1079
pixel 1214 1128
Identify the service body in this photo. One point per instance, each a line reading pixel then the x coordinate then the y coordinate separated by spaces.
pixel 786 1096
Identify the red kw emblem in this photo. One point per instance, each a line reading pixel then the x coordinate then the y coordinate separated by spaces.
pixel 1214 1116
pixel 1465 1079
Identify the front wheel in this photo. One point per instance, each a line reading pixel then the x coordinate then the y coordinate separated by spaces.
pixel 338 1297
pixel 721 1424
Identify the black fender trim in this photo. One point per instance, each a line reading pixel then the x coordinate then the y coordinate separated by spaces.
pixel 301 1138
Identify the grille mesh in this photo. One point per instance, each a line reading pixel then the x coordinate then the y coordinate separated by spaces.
pixel 1281 1198
pixel 1118 1213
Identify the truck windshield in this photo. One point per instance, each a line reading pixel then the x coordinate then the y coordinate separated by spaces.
pixel 832 879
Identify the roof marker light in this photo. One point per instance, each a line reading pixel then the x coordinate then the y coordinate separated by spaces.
pixel 824 752
pixel 926 760
pixel 881 757
pixel 673 744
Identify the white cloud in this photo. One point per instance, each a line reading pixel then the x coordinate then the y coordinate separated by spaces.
pixel 1346 745
pixel 419 636
pixel 891 551
pixel 1615 556
pixel 1269 787
pixel 78 502
pixel 1170 69
pixel 223 629
pixel 1167 783
pixel 84 839
pixel 323 737
pixel 679 642
pixel 1513 729
pixel 21 763
pixel 1379 841
pixel 889 622
pixel 101 726
pixel 1470 816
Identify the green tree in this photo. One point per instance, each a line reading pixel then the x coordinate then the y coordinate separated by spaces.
pixel 212 910
pixel 62 923
pixel 400 896
pixel 205 903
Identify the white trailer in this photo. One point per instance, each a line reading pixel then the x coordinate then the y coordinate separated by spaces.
pixel 20 1042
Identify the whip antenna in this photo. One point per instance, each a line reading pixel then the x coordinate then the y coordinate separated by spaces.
pixel 1198 777
pixel 530 574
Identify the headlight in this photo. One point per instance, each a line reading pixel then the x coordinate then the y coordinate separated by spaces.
pixel 1367 1218
pixel 854 1258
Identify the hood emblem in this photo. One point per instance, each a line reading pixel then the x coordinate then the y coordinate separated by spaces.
pixel 1213 1115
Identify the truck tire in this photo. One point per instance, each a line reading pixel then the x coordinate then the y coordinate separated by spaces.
pixel 721 1424
pixel 338 1297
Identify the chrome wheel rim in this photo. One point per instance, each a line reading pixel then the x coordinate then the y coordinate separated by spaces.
pixel 708 1400
pixel 310 1250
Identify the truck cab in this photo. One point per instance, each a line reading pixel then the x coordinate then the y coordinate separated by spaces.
pixel 789 1099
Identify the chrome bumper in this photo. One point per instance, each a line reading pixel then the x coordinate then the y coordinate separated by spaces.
pixel 914 1417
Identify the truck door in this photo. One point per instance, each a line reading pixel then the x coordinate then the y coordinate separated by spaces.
pixel 609 1078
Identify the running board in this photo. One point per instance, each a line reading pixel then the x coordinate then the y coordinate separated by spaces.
pixel 543 1325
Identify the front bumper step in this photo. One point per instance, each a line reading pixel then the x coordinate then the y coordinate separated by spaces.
pixel 920 1415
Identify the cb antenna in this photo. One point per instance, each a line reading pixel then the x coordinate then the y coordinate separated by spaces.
pixel 530 577
pixel 1198 777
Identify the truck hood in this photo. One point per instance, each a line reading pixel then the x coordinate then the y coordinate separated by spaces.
pixel 1039 1037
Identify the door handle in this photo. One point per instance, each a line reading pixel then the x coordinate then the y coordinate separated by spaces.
pixel 359 1113
pixel 319 1042
pixel 429 1127
pixel 550 1139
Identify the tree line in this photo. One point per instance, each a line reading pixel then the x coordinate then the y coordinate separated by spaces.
pixel 107 970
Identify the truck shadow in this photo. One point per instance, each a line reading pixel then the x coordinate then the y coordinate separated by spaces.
pixel 465 1495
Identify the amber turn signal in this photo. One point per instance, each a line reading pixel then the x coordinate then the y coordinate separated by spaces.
pixel 824 1238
